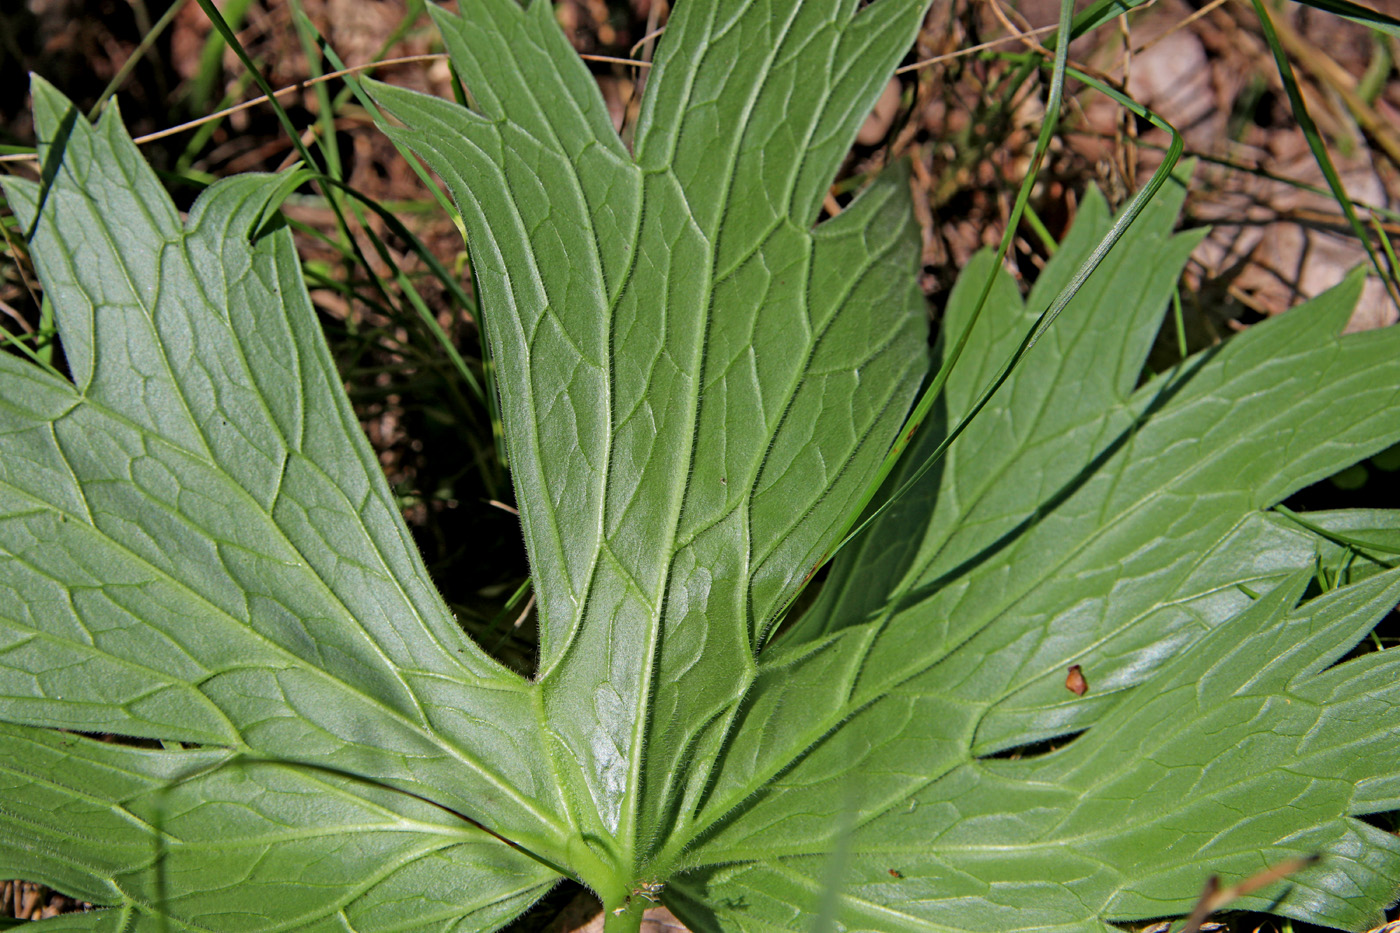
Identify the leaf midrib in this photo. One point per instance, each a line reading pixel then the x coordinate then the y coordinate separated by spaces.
pixel 628 823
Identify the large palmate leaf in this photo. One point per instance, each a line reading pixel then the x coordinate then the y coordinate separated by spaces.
pixel 696 384
pixel 682 462
pixel 197 546
pixel 1085 520
pixel 197 549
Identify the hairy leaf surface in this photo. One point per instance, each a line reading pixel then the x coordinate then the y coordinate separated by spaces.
pixel 696 384
pixel 1240 752
pixel 1084 520
pixel 178 842
pixel 197 545
pixel 199 555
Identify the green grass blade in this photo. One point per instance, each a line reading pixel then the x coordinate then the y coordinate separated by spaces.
pixel 1319 147
pixel 1125 219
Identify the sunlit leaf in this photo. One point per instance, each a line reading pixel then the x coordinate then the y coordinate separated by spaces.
pixel 1081 667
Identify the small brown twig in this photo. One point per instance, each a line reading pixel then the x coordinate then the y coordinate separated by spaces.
pixel 301 86
pixel 1213 897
